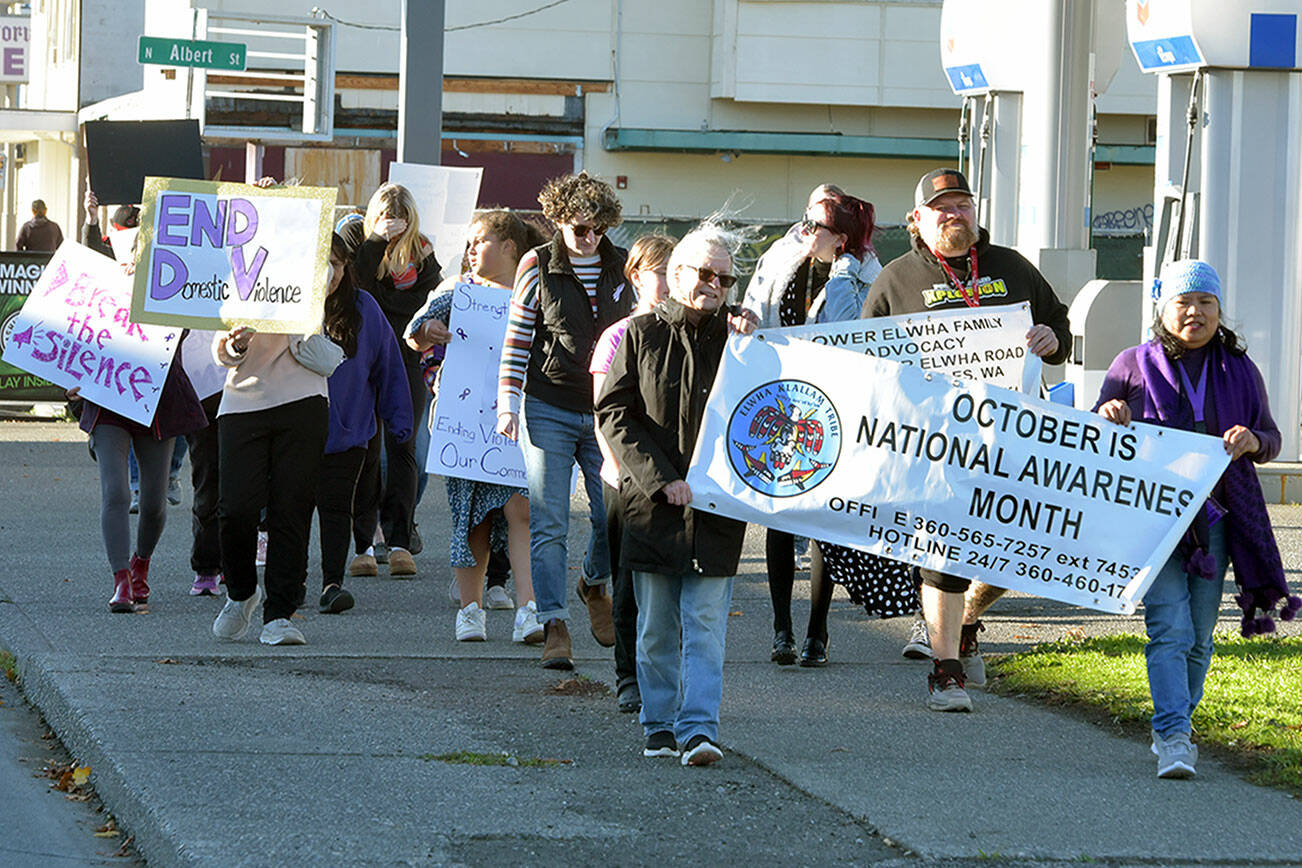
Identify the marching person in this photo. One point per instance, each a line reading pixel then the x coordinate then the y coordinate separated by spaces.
pixel 682 561
pixel 647 270
pixel 951 264
pixel 1195 375
pixel 396 265
pixel 567 292
pixel 485 516
pixel 371 379
pixel 39 233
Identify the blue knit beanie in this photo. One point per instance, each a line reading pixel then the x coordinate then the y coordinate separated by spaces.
pixel 1182 276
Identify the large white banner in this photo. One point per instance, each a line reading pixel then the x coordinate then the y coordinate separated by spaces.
pixel 463 436
pixel 987 344
pixel 445 200
pixel 75 330
pixel 952 475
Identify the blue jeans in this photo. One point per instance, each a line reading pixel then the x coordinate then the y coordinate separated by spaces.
pixel 1180 612
pixel 552 439
pixel 681 624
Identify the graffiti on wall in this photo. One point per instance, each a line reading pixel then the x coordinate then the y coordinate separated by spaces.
pixel 1126 221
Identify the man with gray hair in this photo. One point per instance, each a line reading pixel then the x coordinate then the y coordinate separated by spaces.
pixel 39 233
pixel 683 561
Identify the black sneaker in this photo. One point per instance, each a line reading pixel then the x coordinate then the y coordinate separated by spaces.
pixel 700 751
pixel 660 744
pixel 629 697
pixel 334 600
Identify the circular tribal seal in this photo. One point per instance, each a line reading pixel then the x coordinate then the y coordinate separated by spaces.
pixel 784 438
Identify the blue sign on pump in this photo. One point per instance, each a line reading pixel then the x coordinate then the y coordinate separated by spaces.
pixel 1273 41
pixel 966 78
pixel 1173 51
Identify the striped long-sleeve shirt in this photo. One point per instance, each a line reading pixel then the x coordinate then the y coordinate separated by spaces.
pixel 521 322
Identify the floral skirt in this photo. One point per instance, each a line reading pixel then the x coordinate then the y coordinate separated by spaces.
pixel 470 503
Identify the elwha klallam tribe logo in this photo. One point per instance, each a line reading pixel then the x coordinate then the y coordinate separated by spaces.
pixel 784 438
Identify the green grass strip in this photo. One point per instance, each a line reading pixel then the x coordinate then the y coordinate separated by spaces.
pixel 1251 711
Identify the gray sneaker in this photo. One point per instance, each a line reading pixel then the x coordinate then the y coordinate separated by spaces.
pixel 969 654
pixel 281 632
pixel 919 645
pixel 1176 755
pixel 235 618
pixel 945 688
pixel 174 490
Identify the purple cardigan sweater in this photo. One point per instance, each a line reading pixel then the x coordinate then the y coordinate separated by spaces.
pixel 1148 381
pixel 373 380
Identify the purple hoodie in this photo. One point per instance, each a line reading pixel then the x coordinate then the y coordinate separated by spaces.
pixel 372 381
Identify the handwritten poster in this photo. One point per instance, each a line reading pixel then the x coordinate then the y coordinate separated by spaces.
pixel 953 475
pixel 215 255
pixel 987 344
pixel 75 330
pixel 463 438
pixel 445 199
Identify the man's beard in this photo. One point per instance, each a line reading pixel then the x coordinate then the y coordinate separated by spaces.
pixel 957 236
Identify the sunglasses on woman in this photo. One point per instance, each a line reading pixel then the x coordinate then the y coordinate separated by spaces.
pixel 809 227
pixel 709 274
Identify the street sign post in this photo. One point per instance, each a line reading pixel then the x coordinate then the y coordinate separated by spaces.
pixel 229 56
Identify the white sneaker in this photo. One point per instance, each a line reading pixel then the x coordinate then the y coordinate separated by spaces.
pixel 1176 755
pixel 471 624
pixel 919 645
pixel 235 618
pixel 527 629
pixel 454 592
pixel 496 597
pixel 281 632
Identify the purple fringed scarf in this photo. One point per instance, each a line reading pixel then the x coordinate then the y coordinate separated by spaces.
pixel 1238 400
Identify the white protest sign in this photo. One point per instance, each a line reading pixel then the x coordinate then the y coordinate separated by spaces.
pixel 213 255
pixel 445 200
pixel 123 242
pixel 962 477
pixel 987 344
pixel 75 330
pixel 463 439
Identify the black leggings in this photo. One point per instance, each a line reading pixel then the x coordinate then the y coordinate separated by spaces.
pixel 780 556
pixel 335 486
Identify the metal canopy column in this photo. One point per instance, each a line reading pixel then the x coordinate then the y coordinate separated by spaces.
pixel 420 83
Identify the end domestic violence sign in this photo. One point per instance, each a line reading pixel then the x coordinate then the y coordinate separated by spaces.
pixel 75 330
pixel 215 255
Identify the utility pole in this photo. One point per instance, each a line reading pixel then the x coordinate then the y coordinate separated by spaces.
pixel 420 83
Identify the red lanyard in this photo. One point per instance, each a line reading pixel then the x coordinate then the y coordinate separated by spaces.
pixel 975 300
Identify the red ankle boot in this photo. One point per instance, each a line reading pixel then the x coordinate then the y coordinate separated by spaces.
pixel 139 579
pixel 121 601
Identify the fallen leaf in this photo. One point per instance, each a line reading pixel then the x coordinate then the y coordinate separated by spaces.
pixel 736 614
pixel 1240 725
pixel 80 775
pixel 168 660
pixel 109 833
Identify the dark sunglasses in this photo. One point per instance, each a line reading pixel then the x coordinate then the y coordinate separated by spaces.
pixel 709 274
pixel 809 227
pixel 581 231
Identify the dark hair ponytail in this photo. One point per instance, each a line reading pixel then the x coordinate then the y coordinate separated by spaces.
pixel 343 321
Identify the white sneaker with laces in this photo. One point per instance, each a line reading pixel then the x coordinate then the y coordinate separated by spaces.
pixel 281 632
pixel 496 597
pixel 527 629
pixel 919 645
pixel 1176 755
pixel 471 624
pixel 235 618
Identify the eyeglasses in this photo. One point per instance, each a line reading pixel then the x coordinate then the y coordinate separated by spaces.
pixel 581 231
pixel 708 275
pixel 809 227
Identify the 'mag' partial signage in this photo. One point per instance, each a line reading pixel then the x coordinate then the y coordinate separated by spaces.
pixel 19 273
pixel 214 255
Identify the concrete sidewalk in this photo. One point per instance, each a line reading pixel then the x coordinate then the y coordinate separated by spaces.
pixel 238 754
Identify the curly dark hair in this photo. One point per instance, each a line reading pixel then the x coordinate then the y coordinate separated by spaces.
pixel 568 197
pixel 343 321
pixel 1175 348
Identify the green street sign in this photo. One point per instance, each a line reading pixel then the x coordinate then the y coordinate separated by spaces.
pixel 192 52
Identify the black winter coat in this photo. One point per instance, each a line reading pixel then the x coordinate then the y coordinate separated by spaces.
pixel 650 412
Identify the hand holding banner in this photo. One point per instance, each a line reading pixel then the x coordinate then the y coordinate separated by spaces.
pixel 75 330
pixel 961 477
pixel 216 255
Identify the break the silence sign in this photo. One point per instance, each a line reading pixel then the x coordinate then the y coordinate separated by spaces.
pixel 987 344
pixel 76 330
pixel 463 437
pixel 953 475
pixel 215 255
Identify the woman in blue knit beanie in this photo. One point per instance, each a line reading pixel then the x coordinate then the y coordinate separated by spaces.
pixel 1195 375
